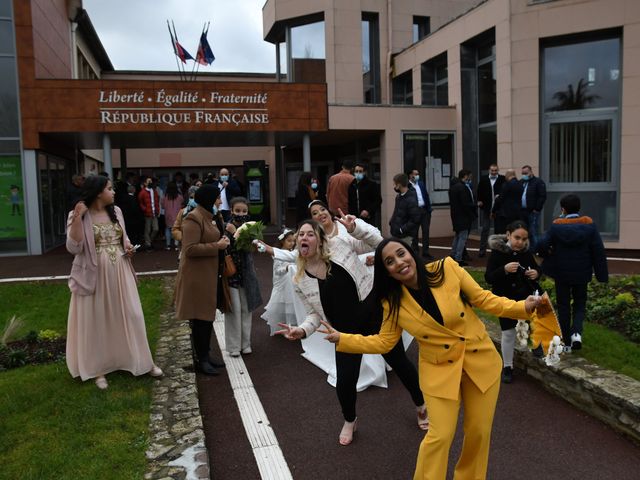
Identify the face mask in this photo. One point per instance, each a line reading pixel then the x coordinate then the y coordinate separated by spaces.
pixel 359 176
pixel 493 177
pixel 240 218
pixel 416 178
pixel 396 189
pixel 214 209
pixel 468 183
pixel 562 215
pixel 525 178
pixel 314 186
pixel 224 178
pixel 192 203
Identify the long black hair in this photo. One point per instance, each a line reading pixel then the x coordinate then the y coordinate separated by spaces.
pixel 387 288
pixel 92 187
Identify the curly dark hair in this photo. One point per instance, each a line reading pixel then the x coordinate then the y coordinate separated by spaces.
pixel 92 187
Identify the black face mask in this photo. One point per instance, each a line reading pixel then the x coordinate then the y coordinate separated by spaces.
pixel 396 189
pixel 240 218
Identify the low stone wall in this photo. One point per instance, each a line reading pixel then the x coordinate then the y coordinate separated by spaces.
pixel 609 396
pixel 176 448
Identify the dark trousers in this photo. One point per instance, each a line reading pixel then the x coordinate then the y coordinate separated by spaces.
pixel 348 370
pixel 425 224
pixel 201 338
pixel 568 311
pixel 486 228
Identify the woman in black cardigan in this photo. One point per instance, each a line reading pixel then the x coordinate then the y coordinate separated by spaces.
pixel 512 271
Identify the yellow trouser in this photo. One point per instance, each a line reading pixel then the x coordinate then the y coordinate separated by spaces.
pixel 443 418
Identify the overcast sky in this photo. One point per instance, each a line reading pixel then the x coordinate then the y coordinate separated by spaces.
pixel 134 33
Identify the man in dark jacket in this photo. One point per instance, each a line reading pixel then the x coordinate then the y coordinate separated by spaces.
pixel 488 189
pixel 406 214
pixel 573 250
pixel 424 203
pixel 507 205
pixel 364 195
pixel 533 197
pixel 463 212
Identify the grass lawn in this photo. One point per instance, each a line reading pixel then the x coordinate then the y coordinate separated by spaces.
pixel 53 426
pixel 601 345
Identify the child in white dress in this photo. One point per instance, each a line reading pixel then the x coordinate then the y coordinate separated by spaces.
pixel 280 308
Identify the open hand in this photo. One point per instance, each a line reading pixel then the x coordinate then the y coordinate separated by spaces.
pixel 332 334
pixel 532 302
pixel 290 332
pixel 349 221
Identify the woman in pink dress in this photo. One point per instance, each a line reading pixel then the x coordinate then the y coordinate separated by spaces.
pixel 105 330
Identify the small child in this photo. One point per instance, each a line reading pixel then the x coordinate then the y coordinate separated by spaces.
pixel 280 308
pixel 573 250
pixel 512 272
pixel 244 287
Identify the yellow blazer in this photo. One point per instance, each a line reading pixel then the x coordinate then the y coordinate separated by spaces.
pixel 462 344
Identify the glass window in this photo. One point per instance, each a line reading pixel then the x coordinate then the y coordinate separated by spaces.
pixel 307 41
pixel 7 45
pixel 13 234
pixel 601 206
pixel 580 152
pixel 435 81
pixel 370 58
pixel 433 155
pixel 582 75
pixel 403 89
pixel 421 28
pixel 486 92
pixel 5 8
pixel 8 98
pixel 487 146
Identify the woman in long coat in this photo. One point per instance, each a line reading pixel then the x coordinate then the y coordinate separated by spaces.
pixel 197 280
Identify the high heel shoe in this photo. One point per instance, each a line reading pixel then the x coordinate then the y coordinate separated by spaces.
pixel 346 434
pixel 423 418
pixel 101 382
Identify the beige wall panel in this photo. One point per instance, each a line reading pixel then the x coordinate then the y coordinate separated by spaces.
pixel 630 120
pixel 566 18
pixel 630 61
pixel 522 50
pixel 525 127
pixel 525 74
pixel 630 90
pixel 526 152
pixel 525 101
pixel 631 33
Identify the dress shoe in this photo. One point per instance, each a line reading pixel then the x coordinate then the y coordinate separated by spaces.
pixel 216 363
pixel 507 375
pixel 576 341
pixel 156 371
pixel 205 367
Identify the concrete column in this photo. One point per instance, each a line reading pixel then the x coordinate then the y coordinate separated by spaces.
pixel 106 154
pixel 32 201
pixel 278 62
pixel 306 153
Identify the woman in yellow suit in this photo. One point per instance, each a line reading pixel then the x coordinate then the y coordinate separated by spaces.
pixel 458 361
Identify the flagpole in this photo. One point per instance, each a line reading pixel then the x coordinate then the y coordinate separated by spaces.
pixel 196 63
pixel 175 53
pixel 183 75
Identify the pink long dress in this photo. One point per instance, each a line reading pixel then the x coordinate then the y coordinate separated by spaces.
pixel 106 330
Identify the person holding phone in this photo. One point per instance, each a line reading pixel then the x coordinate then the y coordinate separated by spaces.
pixel 105 329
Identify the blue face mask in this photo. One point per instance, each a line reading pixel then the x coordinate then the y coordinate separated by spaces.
pixel 525 178
pixel 468 183
pixel 314 186
pixel 359 176
pixel 214 209
pixel 416 178
pixel 224 178
pixel 192 203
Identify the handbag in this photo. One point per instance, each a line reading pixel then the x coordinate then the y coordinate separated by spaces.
pixel 223 295
pixel 229 266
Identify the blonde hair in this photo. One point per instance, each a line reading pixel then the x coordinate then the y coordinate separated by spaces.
pixel 323 249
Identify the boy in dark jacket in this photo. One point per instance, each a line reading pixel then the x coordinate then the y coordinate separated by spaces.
pixel 573 250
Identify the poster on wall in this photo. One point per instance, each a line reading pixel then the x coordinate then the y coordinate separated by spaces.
pixel 439 178
pixel 12 221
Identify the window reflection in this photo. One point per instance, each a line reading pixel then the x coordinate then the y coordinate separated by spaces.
pixel 435 81
pixel 582 75
pixel 308 53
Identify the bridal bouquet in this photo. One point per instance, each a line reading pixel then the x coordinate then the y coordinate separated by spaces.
pixel 246 234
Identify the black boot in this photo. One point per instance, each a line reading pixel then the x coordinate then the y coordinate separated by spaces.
pixel 216 363
pixel 205 367
pixel 507 374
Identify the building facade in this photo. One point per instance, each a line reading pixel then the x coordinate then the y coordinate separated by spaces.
pixel 432 85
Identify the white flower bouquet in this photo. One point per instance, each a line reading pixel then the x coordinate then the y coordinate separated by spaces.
pixel 246 234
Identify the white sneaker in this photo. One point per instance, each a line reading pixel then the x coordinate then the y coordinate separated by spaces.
pixel 567 349
pixel 576 341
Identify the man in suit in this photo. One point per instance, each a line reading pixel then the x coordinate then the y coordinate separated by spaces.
pixel 488 189
pixel 424 204
pixel 364 195
pixel 229 188
pixel 506 207
pixel 405 220
pixel 534 195
pixel 463 213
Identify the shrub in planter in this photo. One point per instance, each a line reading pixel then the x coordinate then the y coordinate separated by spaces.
pixel 48 335
pixel 16 358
